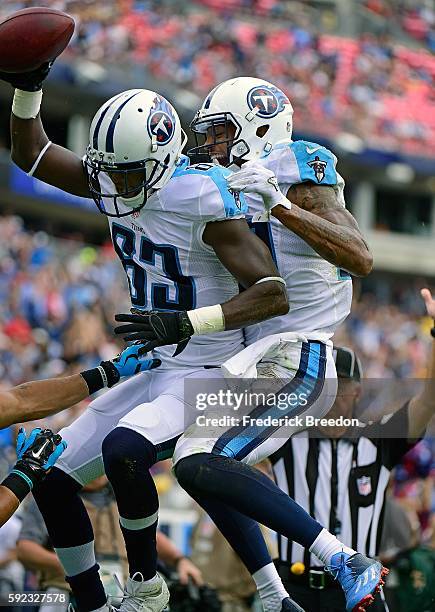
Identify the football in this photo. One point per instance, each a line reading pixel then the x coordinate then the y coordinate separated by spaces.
pixel 33 36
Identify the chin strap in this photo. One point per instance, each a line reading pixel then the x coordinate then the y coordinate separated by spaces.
pixel 135 201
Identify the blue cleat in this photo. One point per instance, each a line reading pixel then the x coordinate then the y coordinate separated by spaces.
pixel 360 578
pixel 288 605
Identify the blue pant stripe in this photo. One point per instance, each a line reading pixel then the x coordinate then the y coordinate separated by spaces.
pixel 237 436
pixel 240 440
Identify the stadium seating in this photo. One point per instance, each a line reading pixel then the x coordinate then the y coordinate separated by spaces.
pixel 370 86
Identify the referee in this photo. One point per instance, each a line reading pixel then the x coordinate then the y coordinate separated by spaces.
pixel 342 481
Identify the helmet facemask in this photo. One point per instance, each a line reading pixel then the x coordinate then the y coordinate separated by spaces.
pixel 131 195
pixel 206 128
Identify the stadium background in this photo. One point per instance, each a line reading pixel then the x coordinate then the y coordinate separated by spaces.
pixel 360 75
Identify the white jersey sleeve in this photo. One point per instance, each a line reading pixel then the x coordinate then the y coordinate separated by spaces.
pixel 319 293
pixel 302 161
pixel 200 193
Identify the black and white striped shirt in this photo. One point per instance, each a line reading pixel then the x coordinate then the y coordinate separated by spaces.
pixel 341 483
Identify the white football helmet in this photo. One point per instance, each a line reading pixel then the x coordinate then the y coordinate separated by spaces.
pixel 135 131
pixel 260 112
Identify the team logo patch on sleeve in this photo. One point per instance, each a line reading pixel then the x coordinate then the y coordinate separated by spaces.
pixel 161 121
pixel 319 167
pixel 269 100
pixel 236 196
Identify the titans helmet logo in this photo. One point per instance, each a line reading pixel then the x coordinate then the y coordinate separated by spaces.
pixel 269 100
pixel 161 121
pixel 319 167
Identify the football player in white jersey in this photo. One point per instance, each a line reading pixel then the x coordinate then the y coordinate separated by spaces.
pixel 247 124
pixel 182 240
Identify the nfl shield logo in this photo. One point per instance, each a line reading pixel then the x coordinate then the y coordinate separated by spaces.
pixel 364 485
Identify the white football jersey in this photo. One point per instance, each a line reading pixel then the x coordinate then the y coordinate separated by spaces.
pixel 319 293
pixel 168 265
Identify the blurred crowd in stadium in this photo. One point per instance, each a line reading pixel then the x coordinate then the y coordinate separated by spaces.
pixel 370 86
pixel 58 297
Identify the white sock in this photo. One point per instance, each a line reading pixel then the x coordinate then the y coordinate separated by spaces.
pixel 269 587
pixel 326 545
pixel 154 580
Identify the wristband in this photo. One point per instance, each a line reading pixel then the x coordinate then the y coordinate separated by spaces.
pixel 207 320
pixel 104 375
pixel 26 104
pixel 94 380
pixel 109 373
pixel 19 483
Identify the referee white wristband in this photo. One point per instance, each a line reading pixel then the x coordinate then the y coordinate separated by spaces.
pixel 26 104
pixel 207 320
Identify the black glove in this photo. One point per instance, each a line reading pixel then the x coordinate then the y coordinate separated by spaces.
pixel 36 455
pixel 153 328
pixel 27 81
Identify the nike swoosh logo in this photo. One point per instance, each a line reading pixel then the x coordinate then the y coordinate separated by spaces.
pixel 40 451
pixel 311 151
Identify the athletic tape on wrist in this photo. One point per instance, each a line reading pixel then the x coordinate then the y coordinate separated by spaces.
pixel 207 320
pixel 26 104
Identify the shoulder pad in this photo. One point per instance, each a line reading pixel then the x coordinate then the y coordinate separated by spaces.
pixel 234 203
pixel 315 162
pixel 200 192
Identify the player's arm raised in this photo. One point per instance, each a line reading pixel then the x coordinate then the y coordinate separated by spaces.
pixel 31 149
pixel 314 213
pixel 249 261
pixel 421 408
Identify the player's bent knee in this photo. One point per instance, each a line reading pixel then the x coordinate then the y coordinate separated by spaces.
pixel 194 473
pixel 185 471
pixel 56 481
pixel 124 449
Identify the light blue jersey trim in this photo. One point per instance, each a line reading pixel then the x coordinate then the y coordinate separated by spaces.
pixel 181 166
pixel 233 205
pixel 315 162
